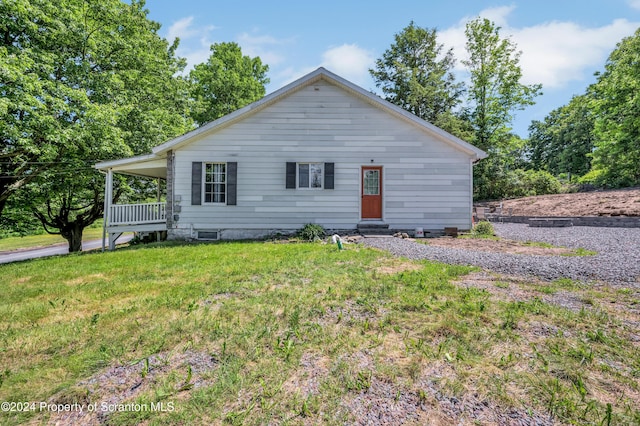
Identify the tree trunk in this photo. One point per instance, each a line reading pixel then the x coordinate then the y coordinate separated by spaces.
pixel 73 235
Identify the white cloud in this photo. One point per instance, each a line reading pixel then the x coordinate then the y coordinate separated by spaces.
pixel 635 4
pixel 349 61
pixel 557 53
pixel 180 29
pixel 194 40
pixel 498 15
pixel 265 46
pixel 553 53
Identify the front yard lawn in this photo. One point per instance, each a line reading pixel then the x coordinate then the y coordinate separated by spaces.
pixel 262 332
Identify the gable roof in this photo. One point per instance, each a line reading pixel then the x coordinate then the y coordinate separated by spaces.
pixel 321 74
pixel 132 165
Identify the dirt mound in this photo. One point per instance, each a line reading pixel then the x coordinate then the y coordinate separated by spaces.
pixel 622 202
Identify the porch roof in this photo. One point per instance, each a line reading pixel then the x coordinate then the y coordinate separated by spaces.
pixel 150 165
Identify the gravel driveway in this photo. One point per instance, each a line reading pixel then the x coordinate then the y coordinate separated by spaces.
pixel 617 261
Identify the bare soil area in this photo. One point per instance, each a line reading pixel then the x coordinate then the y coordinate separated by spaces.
pixel 501 246
pixel 621 202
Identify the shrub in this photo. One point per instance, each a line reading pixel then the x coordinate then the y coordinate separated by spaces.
pixel 483 228
pixel 311 232
pixel 541 182
pixel 516 183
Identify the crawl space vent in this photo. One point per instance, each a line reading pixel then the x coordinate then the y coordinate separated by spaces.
pixel 208 235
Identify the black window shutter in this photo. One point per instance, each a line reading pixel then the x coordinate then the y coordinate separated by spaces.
pixel 328 176
pixel 291 175
pixel 232 183
pixel 196 183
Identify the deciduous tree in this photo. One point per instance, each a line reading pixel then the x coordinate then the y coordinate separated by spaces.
pixel 562 143
pixel 495 93
pixel 228 81
pixel 616 158
pixel 83 80
pixel 416 73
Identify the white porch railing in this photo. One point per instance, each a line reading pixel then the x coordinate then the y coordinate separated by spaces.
pixel 132 214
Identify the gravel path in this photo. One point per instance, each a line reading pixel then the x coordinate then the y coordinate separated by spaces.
pixel 617 261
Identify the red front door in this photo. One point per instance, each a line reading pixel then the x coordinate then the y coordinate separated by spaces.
pixel 371 192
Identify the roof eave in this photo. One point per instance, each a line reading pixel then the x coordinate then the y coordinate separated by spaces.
pixel 238 114
pixel 320 73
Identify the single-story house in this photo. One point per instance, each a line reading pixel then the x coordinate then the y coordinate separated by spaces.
pixel 320 150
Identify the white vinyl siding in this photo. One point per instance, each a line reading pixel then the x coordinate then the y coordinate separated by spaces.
pixel 426 181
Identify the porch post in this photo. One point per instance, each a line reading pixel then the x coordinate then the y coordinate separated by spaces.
pixel 108 189
pixel 170 195
pixel 158 199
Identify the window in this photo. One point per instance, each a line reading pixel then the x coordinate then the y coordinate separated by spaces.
pixel 215 183
pixel 371 182
pixel 310 175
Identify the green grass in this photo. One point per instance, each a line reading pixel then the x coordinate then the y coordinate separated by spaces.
pixel 44 240
pixel 581 252
pixel 476 236
pixel 257 333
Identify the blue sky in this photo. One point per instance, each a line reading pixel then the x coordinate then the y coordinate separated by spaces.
pixel 563 42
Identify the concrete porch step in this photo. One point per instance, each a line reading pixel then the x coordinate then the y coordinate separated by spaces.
pixel 368 229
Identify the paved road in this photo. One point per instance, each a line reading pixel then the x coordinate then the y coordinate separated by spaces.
pixel 54 250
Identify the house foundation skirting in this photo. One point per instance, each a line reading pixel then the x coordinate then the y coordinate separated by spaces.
pixel 187 234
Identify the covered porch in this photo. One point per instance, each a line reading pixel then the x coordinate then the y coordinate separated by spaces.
pixel 149 217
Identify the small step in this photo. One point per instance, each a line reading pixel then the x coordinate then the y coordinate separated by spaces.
pixel 366 225
pixel 374 229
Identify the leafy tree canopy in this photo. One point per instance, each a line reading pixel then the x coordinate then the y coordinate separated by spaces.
pixel 81 81
pixel 416 74
pixel 226 82
pixel 495 91
pixel 616 106
pixel 563 142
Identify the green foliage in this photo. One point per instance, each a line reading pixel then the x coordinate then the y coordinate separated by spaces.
pixel 16 221
pixel 484 228
pixel 226 82
pixel 595 177
pixel 518 183
pixel 416 74
pixel 494 94
pixel 495 91
pixel 311 232
pixel 616 108
pixel 524 183
pixel 562 143
pixel 82 81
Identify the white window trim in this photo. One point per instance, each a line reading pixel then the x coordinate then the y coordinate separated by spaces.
pixel 204 184
pixel 321 176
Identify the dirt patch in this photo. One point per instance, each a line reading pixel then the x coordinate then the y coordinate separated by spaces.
pixel 121 384
pixel 387 403
pixel 306 379
pixel 520 289
pixel 351 313
pixel 396 266
pixel 622 202
pixel 501 246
